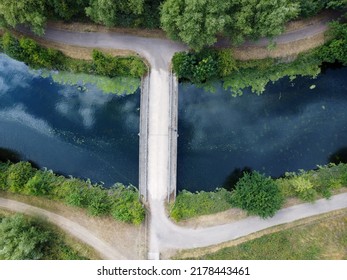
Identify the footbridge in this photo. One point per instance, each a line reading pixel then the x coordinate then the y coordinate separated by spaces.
pixel 158 146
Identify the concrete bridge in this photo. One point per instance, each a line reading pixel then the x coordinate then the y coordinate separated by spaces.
pixel 158 147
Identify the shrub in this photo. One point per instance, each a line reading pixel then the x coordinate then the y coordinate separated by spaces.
pixel 303 188
pixel 3 175
pixel 75 192
pixel 42 183
pixel 258 195
pixel 22 239
pixel 188 205
pixel 18 175
pixel 226 62
pixel 126 205
pixel 11 46
pixel 99 201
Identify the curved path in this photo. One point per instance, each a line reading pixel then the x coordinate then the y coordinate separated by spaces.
pixel 162 232
pixel 105 250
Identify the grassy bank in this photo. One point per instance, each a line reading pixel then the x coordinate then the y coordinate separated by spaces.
pixel 325 238
pixel 121 202
pixel 23 237
pixel 111 74
pixel 210 66
pixel 248 193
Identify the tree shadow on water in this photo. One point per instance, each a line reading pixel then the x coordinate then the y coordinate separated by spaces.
pixel 234 177
pixel 340 156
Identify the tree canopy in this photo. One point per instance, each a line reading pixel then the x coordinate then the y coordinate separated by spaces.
pixel 195 22
pixel 27 12
pixel 106 11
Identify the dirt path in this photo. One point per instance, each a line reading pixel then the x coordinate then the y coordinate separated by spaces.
pixel 163 233
pixel 76 230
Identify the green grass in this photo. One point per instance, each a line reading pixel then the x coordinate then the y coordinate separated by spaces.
pixel 325 239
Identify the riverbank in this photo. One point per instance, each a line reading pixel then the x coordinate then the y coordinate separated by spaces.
pixel 127 239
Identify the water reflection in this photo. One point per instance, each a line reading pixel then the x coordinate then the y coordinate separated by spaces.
pixel 290 127
pixel 84 133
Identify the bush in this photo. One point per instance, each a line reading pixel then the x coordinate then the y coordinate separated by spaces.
pixel 99 201
pixel 197 67
pixel 258 195
pixel 126 205
pixel 303 188
pixel 226 63
pixel 11 46
pixel 75 192
pixel 42 183
pixel 188 205
pixel 18 175
pixel 3 175
pixel 22 239
pixel 121 202
pixel 36 56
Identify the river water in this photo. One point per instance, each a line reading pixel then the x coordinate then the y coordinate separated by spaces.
pixel 83 132
pixel 73 130
pixel 292 125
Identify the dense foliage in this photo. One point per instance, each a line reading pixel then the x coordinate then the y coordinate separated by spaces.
pixel 119 201
pixel 23 238
pixel 36 56
pixel 189 205
pixel 260 195
pixel 195 22
pixel 28 12
pixel 209 66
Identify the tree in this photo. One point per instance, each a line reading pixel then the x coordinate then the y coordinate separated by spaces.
pixel 66 9
pixel 22 239
pixel 195 22
pixel 18 175
pixel 259 18
pixel 27 12
pixel 106 11
pixel 257 194
pixel 336 4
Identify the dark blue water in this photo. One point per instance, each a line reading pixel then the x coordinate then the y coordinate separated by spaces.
pixel 86 134
pixel 289 127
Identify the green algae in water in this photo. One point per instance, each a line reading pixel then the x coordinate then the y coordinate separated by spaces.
pixel 118 85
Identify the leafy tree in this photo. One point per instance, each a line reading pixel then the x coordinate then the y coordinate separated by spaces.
pixel 336 4
pixel 195 22
pixel 42 183
pixel 198 67
pixel 3 175
pixel 66 9
pixel 106 11
pixel 311 7
pixel 336 49
pixel 259 18
pixel 18 175
pixel 28 12
pixel 258 195
pixel 22 239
